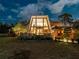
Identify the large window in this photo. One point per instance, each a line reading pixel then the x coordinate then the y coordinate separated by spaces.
pixel 33 22
pixel 39 22
pixel 39 26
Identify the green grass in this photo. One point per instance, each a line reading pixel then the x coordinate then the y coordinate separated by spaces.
pixel 39 49
pixel 4 41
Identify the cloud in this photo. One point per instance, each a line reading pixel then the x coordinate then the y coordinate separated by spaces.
pixel 10 17
pixel 30 10
pixel 33 9
pixel 17 4
pixel 2 8
pixel 58 6
pixel 37 9
pixel 15 10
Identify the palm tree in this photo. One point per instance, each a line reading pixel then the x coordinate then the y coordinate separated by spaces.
pixel 66 18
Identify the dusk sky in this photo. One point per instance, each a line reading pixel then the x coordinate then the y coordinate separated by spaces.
pixel 11 11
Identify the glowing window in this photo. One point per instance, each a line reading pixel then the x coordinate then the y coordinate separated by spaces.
pixel 39 22
pixel 45 22
pixel 33 22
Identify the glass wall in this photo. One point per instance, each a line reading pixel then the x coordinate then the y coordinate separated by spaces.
pixel 40 26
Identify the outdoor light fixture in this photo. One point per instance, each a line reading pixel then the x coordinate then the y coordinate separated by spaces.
pixel 70 41
pixel 65 40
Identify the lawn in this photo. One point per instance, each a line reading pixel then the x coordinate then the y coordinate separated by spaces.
pixel 39 49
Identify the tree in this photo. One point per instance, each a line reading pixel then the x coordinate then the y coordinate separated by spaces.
pixel 66 18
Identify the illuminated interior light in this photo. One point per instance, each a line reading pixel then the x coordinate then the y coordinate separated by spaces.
pixel 39 25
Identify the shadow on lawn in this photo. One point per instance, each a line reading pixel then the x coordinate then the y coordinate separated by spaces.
pixel 20 54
